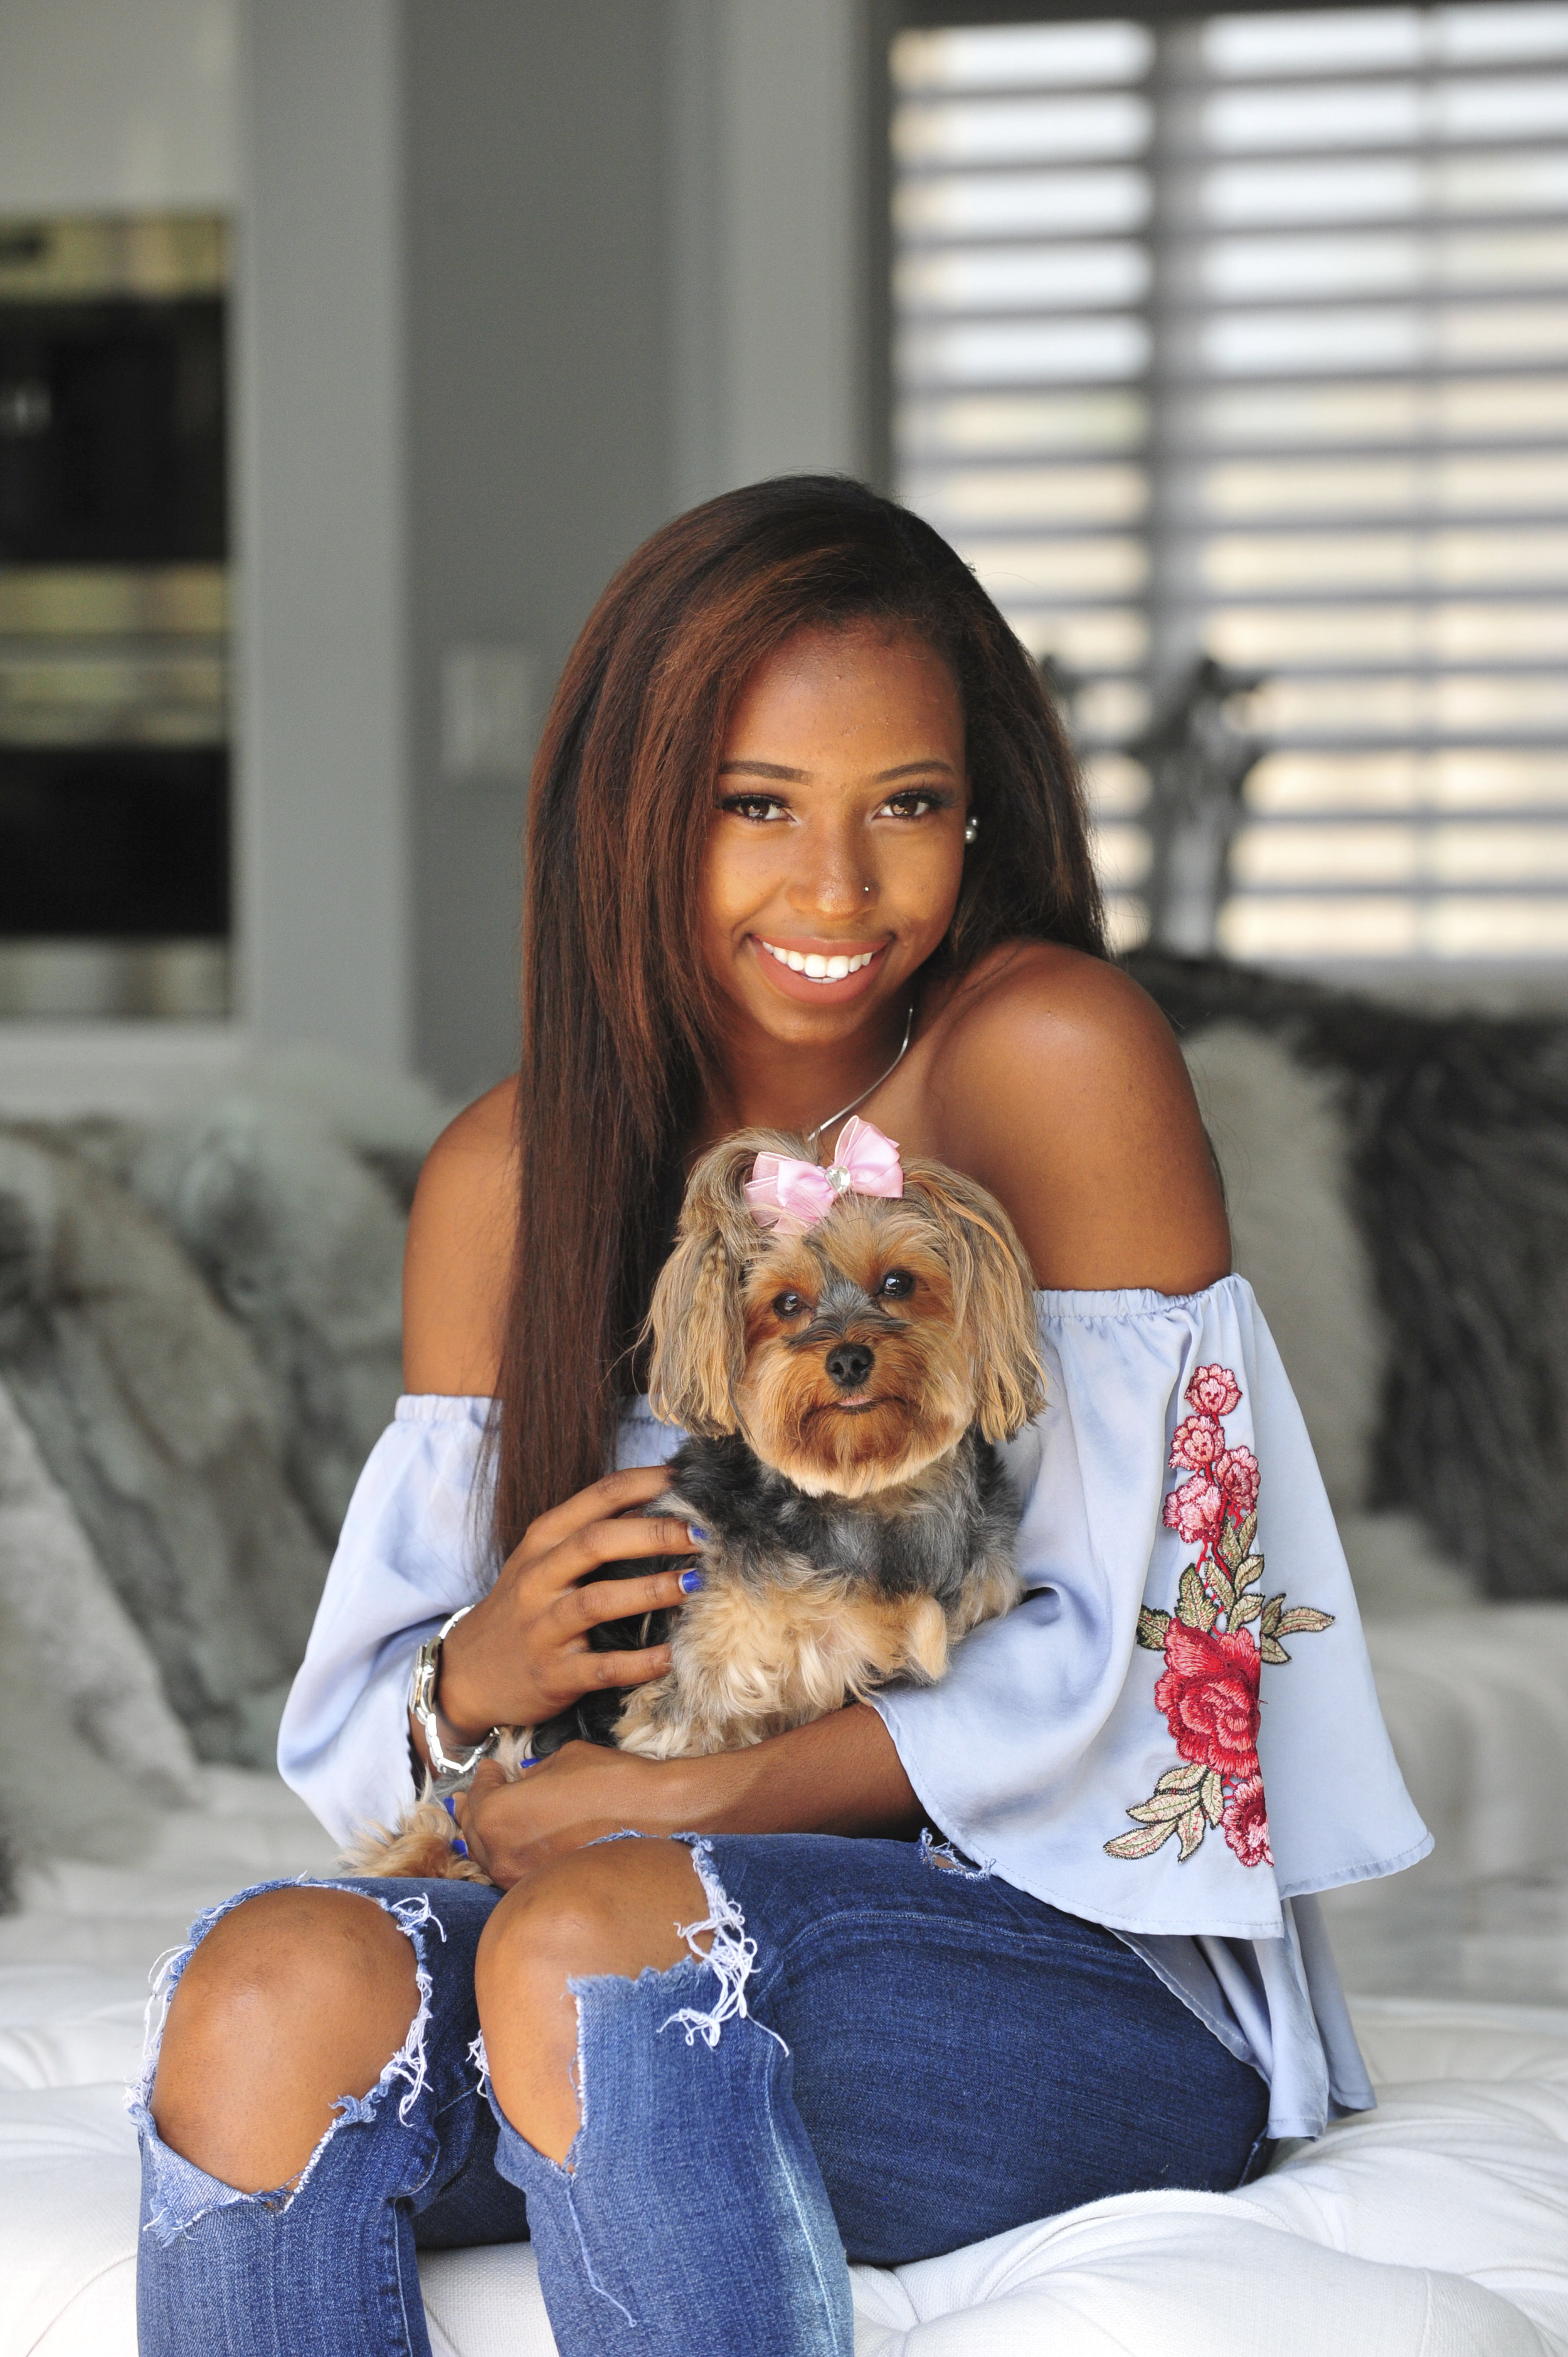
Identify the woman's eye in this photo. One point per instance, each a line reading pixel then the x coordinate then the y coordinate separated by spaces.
pixel 898 1285
pixel 788 1304
pixel 758 808
pixel 913 805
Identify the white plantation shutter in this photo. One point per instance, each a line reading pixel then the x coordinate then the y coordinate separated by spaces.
pixel 1249 334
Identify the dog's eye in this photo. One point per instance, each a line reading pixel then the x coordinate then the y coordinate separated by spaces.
pixel 898 1285
pixel 788 1304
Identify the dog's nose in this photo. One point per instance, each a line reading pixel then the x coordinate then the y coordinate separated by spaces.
pixel 849 1363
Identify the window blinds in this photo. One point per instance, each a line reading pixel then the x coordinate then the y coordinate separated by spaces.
pixel 1249 335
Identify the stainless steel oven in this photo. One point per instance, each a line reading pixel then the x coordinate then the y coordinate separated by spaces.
pixel 116 859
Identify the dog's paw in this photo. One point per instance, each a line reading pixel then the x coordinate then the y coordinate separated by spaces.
pixel 926 1641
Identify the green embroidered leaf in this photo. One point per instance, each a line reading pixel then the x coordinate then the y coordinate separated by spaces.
pixel 1212 1797
pixel 1152 1626
pixel 1194 1608
pixel 1185 1778
pixel 1249 1573
pixel 1247 1608
pixel 1300 1617
pixel 1162 1808
pixel 1271 1649
pixel 1219 1588
pixel 1247 1531
pixel 1141 1843
pixel 1272 1610
pixel 1192 1828
pixel 1230 1547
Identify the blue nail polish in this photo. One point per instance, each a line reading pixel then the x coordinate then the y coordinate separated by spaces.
pixel 690 1581
pixel 699 1536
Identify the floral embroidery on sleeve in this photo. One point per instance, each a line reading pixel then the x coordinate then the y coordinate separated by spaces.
pixel 1208 1690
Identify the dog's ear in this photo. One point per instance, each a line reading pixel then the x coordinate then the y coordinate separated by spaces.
pixel 696 1322
pixel 993 1290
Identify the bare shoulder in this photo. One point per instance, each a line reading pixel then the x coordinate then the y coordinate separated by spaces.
pixel 458 1256
pixel 1057 1084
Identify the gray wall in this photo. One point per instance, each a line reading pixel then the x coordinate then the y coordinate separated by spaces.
pixel 538 337
pixel 322 470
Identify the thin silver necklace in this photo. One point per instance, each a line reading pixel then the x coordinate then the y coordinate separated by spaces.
pixel 814 1136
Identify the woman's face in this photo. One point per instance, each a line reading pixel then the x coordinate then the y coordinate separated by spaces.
pixel 836 848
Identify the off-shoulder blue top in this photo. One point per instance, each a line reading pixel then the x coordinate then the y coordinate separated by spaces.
pixel 1176 1733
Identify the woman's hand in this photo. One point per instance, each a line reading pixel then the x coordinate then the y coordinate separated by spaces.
pixel 838 1775
pixel 523 1654
pixel 578 1795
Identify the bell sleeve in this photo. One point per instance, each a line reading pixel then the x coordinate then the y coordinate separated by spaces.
pixel 1177 1728
pixel 412 1548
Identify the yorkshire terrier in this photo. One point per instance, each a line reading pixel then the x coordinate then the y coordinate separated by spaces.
pixel 844 1360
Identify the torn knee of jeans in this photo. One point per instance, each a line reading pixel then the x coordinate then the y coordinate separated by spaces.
pixel 946 1859
pixel 730 1954
pixel 183 2194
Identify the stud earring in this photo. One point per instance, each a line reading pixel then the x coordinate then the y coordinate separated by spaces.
pixel 970 829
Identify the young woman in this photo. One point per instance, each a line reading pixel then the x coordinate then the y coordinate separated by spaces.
pixel 804 839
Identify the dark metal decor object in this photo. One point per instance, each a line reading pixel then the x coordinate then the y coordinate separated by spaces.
pixel 1198 763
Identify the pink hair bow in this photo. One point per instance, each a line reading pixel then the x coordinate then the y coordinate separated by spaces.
pixel 793 1196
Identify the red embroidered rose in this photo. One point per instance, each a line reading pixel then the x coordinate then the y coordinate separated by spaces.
pixel 1208 1693
pixel 1214 1390
pixel 1198 1442
pixel 1196 1510
pixel 1246 1823
pixel 1237 1474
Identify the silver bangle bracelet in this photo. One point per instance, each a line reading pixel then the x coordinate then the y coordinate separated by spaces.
pixel 421 1703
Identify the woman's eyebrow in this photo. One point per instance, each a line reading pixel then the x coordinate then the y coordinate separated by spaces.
pixel 799 777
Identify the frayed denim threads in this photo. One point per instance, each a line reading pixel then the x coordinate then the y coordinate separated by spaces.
pixel 189 2193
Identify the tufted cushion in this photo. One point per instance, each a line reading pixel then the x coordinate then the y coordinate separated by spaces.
pixel 1436 2225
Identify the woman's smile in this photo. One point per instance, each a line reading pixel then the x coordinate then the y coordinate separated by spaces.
pixel 817 970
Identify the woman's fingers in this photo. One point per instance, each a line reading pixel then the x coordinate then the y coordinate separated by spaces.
pixel 585 1672
pixel 485 1778
pixel 622 1599
pixel 614 1495
pixel 613 1542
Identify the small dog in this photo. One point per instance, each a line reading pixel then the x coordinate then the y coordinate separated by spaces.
pixel 844 1348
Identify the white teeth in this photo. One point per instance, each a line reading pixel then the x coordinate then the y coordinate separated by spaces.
pixel 818 968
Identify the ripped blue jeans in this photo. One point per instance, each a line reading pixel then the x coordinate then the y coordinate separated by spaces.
pixel 882 2056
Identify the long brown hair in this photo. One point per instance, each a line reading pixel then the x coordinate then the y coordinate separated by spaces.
pixel 618 1018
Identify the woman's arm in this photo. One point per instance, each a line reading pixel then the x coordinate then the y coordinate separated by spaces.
pixel 840 1775
pixel 524 1652
pixel 457 1262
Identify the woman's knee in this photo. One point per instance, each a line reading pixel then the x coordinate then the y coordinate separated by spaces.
pixel 616 1909
pixel 294 1999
